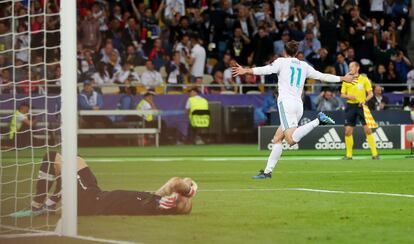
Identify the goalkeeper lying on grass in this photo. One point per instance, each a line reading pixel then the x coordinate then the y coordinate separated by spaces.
pixel 174 197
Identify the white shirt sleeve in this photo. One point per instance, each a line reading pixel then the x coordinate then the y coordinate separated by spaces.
pixel 272 68
pixel 314 74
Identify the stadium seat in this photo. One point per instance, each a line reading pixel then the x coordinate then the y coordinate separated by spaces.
pixel 160 89
pixel 227 92
pixel 174 92
pixel 141 89
pixel 110 89
pixel 253 92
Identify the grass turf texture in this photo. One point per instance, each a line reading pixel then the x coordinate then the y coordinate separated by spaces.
pixel 274 216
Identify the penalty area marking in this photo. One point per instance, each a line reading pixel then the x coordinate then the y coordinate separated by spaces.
pixel 311 190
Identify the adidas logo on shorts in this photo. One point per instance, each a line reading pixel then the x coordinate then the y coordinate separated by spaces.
pixel 381 140
pixel 330 140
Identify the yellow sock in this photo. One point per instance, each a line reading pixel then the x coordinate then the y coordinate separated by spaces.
pixel 372 146
pixel 349 143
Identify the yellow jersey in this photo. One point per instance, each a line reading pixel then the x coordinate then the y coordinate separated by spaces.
pixel 359 89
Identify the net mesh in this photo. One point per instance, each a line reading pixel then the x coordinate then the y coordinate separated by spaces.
pixel 29 106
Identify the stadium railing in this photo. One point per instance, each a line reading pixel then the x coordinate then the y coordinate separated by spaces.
pixel 112 88
pixel 121 131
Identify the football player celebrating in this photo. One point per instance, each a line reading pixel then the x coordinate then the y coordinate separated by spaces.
pixel 292 74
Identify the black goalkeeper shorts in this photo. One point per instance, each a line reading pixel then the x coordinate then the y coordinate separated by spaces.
pixel 121 202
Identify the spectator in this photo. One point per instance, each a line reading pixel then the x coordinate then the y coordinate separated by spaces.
pixel 281 10
pixel 197 58
pixel 89 99
pixel 245 21
pixel 110 54
pixel 124 76
pixel 86 66
pixel 341 67
pixel 262 47
pixel 115 34
pixel 151 78
pixel 392 77
pixel 90 34
pixel 218 83
pixel 350 55
pixel 177 73
pixel 6 84
pixel 319 60
pixel 172 7
pixel 279 46
pixel 327 101
pixel 402 65
pixel 101 76
pixel 157 54
pixel 378 102
pixel 130 34
pixel 223 64
pixel 309 44
pixel 250 83
pixel 22 43
pixel 379 75
pixel 239 46
pixel 127 102
pixel 6 38
pixel 183 47
pixel 135 57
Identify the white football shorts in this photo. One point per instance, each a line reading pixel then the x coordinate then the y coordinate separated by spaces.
pixel 290 112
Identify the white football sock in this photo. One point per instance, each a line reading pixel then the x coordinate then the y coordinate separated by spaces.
pixel 303 130
pixel 273 157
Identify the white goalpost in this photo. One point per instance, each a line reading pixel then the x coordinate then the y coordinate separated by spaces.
pixel 69 118
pixel 38 66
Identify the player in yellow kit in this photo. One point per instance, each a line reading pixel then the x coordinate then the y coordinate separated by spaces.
pixel 357 95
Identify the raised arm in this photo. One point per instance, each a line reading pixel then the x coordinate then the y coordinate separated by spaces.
pixel 314 74
pixel 264 70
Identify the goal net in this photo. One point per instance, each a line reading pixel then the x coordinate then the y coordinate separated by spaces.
pixel 30 108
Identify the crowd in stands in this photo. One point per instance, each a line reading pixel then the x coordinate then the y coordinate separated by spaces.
pixel 183 43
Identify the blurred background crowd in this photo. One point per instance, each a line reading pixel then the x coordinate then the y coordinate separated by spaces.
pixel 171 45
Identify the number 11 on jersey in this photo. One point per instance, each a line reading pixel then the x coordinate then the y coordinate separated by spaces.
pixel 292 77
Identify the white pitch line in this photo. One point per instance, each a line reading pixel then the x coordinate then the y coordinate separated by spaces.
pixel 209 159
pixel 310 190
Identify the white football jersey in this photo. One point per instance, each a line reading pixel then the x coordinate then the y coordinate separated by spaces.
pixel 292 73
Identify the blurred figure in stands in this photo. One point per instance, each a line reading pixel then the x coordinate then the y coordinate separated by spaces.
pixel 379 101
pixel 89 99
pixel 151 78
pixel 197 58
pixel 176 72
pixel 327 101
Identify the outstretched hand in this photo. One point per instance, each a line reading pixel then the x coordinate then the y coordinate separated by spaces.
pixel 237 69
pixel 349 78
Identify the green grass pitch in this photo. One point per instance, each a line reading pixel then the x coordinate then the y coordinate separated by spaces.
pixel 232 208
